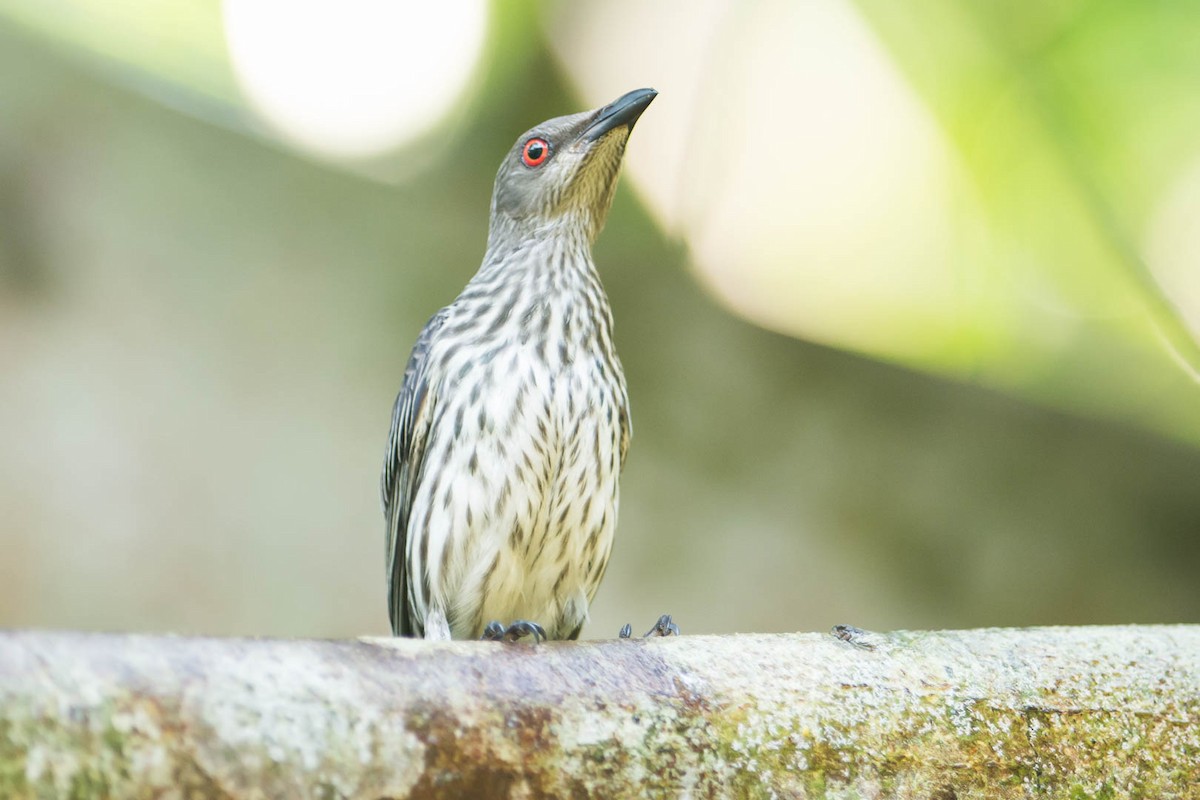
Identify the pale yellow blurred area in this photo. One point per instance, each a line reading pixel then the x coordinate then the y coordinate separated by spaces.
pixel 814 190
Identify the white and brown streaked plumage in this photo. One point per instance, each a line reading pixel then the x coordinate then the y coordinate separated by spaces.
pixel 511 427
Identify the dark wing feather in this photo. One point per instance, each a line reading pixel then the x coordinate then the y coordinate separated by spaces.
pixel 402 470
pixel 626 430
pixel 624 423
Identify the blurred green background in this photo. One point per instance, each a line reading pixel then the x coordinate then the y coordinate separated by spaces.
pixel 907 298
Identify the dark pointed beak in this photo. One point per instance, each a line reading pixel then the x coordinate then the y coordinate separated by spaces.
pixel 625 110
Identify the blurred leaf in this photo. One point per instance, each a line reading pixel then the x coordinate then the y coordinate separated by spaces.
pixel 173 52
pixel 968 189
pixel 1097 104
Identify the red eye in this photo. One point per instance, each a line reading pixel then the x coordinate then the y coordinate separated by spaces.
pixel 536 152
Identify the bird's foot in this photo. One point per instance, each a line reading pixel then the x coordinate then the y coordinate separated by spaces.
pixel 495 632
pixel 664 627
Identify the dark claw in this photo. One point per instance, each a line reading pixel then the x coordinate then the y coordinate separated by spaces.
pixel 664 627
pixel 522 628
pixel 495 632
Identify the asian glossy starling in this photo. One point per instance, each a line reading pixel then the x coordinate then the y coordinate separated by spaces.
pixel 512 423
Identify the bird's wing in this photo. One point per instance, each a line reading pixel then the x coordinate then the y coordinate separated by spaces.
pixel 411 417
pixel 625 424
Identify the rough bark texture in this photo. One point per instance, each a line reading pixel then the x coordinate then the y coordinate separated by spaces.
pixel 1056 712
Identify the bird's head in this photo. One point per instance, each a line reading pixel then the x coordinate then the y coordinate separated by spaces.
pixel 561 174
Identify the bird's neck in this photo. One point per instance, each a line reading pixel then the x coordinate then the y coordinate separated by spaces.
pixel 544 289
pixel 547 261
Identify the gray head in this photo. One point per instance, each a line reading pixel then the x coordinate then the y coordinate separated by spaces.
pixel 560 175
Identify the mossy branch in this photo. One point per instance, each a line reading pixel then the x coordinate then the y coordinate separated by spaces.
pixel 1053 712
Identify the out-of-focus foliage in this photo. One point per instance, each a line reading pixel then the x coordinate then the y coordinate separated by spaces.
pixel 1077 124
pixel 174 52
pixel 201 331
pixel 994 191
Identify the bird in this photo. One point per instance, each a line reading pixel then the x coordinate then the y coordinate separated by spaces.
pixel 512 424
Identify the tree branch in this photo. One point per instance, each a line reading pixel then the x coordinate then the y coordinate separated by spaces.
pixel 1054 712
